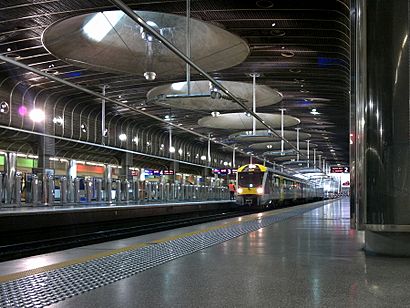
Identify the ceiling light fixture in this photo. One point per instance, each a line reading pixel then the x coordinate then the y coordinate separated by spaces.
pixel 37 115
pixel 83 128
pixel 150 76
pixel 122 137
pixel 22 110
pixel 314 112
pixel 58 121
pixel 4 107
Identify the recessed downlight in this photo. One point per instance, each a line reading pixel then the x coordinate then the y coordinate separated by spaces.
pixel 13 55
pixel 287 54
pixel 277 32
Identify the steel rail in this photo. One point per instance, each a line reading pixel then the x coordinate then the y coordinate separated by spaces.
pixel 140 21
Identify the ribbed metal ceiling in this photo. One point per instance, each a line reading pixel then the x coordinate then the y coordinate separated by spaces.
pixel 301 48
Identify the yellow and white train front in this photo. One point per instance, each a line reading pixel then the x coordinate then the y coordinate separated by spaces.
pixel 251 180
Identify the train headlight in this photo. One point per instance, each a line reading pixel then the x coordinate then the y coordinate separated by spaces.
pixel 259 190
pixel 240 190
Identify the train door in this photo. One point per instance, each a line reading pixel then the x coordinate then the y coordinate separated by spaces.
pixel 282 188
pixel 275 187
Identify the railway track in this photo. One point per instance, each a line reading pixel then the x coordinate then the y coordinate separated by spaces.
pixel 86 235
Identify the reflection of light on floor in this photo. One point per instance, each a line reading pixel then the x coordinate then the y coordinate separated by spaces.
pixel 37 262
pixel 240 219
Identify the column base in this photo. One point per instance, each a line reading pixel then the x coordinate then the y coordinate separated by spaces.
pixel 395 244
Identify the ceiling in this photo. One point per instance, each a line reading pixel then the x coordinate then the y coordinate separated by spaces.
pixel 300 48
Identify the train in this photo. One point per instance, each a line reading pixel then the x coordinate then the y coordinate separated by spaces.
pixel 261 187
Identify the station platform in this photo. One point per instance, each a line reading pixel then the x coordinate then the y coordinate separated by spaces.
pixel 302 256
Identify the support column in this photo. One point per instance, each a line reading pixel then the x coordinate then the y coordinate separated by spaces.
pixel 233 157
pixel 282 133
pixel 107 183
pixel 126 164
pixel 72 170
pixel 314 158
pixel 103 128
pixel 174 165
pixel 297 144
pixel 209 151
pixel 10 168
pixel 254 76
pixel 382 121
pixel 46 150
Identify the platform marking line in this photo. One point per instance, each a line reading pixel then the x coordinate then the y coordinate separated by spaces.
pixel 54 283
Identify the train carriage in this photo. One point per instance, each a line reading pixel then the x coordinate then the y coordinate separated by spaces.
pixel 262 187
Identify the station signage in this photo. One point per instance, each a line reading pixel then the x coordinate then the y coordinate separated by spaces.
pixel 346 184
pixel 158 172
pixel 224 171
pixel 339 170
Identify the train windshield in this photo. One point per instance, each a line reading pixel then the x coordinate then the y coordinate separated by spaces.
pixel 246 179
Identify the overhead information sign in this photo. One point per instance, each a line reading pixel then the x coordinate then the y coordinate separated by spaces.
pixel 224 171
pixel 339 170
pixel 159 172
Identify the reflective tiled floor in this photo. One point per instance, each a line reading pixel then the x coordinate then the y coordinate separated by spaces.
pixel 314 260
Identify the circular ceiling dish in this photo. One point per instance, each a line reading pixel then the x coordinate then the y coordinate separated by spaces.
pixel 276 145
pixel 266 136
pixel 110 41
pixel 243 121
pixel 203 96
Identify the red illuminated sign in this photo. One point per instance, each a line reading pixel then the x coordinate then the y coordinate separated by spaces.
pixel 339 170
